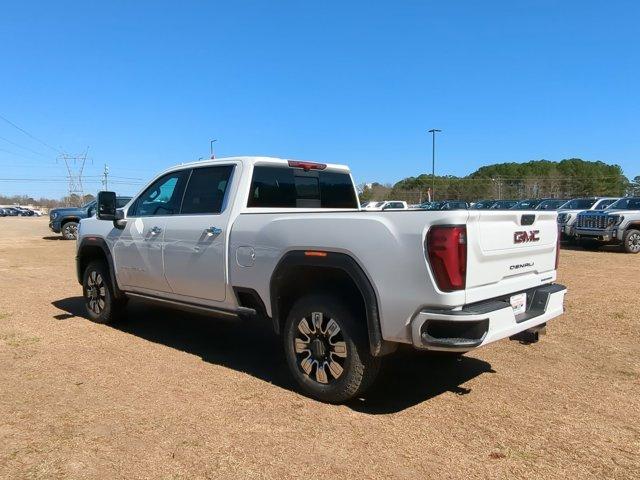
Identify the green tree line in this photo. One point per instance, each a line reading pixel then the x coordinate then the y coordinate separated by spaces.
pixel 535 179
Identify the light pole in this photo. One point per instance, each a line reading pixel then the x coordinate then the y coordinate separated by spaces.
pixel 211 146
pixel 433 162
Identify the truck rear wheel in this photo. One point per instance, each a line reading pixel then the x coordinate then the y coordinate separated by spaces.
pixel 101 304
pixel 631 243
pixel 327 349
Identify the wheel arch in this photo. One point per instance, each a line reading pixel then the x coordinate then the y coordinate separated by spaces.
pixel 69 219
pixel 297 273
pixel 94 248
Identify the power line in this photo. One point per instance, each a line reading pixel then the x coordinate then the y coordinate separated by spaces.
pixel 30 135
pixel 22 146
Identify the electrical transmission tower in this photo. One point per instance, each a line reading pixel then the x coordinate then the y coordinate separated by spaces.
pixel 75 168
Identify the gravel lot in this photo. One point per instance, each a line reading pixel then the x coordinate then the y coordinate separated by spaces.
pixel 172 395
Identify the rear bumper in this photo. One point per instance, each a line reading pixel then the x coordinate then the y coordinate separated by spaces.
pixel 485 322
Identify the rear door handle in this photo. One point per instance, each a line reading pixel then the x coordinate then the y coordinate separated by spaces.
pixel 213 231
pixel 155 230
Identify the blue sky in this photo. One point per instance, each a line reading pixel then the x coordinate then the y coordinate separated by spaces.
pixel 146 85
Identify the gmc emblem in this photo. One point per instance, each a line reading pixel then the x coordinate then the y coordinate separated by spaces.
pixel 526 236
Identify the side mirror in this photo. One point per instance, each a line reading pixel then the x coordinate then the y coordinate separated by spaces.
pixel 106 206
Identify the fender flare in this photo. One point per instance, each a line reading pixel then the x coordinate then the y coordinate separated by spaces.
pixel 333 260
pixel 102 245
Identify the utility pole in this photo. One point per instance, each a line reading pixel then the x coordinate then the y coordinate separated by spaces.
pixel 211 147
pixel 105 177
pixel 433 132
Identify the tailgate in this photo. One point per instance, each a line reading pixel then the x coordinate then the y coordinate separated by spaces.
pixel 509 251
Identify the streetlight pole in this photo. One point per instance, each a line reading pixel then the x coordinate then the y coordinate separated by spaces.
pixel 433 162
pixel 211 146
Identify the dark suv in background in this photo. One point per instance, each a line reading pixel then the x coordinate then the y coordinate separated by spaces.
pixel 65 220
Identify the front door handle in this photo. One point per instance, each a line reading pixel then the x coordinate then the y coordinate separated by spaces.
pixel 155 230
pixel 213 231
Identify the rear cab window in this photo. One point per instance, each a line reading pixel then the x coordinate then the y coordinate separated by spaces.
pixel 276 186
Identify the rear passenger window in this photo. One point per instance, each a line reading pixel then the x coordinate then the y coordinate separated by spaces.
pixel 206 190
pixel 285 187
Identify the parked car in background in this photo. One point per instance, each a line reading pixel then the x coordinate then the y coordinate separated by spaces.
pixel 551 204
pixel 11 212
pixel 386 205
pixel 618 224
pixel 568 213
pixel 66 220
pixel 445 205
pixel 538 204
pixel 503 204
pixel 528 204
pixel 483 205
pixel 343 287
pixel 24 212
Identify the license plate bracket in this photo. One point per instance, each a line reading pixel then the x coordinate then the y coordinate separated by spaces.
pixel 518 303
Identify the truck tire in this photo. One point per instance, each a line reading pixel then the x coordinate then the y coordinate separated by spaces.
pixel 327 349
pixel 631 242
pixel 69 230
pixel 97 289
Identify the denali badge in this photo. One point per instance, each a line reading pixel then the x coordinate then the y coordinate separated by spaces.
pixel 526 236
pixel 518 266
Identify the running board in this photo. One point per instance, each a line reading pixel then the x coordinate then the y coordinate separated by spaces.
pixel 237 312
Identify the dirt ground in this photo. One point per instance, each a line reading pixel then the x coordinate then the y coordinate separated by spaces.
pixel 172 395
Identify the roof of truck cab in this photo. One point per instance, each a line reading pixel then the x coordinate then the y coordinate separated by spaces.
pixel 250 160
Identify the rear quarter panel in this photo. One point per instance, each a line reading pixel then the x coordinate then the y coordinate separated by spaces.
pixel 388 246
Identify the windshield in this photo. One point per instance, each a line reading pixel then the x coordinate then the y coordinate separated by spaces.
pixel 626 204
pixel 432 205
pixel 503 204
pixel 379 204
pixel 483 205
pixel 550 204
pixel 526 205
pixel 579 204
pixel 90 204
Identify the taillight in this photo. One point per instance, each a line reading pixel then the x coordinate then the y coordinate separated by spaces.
pixel 558 248
pixel 446 248
pixel 306 166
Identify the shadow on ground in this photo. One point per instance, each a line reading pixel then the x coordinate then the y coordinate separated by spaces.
pixel 579 248
pixel 53 237
pixel 250 346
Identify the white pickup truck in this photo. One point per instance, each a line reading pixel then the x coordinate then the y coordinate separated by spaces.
pixel 286 242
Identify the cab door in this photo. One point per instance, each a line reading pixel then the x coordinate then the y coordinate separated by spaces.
pixel 195 242
pixel 138 249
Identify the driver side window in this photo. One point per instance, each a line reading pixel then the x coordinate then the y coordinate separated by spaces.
pixel 163 197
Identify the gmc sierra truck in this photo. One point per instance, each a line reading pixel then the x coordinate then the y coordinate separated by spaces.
pixel 619 225
pixel 65 220
pixel 568 213
pixel 286 242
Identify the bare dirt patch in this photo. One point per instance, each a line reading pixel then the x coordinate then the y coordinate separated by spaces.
pixel 171 395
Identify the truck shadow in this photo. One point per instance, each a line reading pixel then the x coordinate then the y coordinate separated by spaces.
pixel 250 346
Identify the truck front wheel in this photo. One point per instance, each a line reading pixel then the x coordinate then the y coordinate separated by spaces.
pixel 101 304
pixel 327 349
pixel 70 230
pixel 631 243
